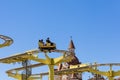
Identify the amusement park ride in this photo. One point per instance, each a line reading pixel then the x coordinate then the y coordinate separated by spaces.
pixel 69 67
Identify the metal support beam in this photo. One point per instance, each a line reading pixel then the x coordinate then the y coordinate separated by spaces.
pixel 51 72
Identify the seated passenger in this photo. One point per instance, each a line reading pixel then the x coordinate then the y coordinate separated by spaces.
pixel 41 42
pixel 48 41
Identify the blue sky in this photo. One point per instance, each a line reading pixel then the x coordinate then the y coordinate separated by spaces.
pixel 93 24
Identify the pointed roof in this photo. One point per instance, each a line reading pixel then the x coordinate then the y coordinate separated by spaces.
pixel 71 45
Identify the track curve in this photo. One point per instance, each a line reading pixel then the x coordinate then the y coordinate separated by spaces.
pixel 7 41
pixel 62 72
pixel 12 72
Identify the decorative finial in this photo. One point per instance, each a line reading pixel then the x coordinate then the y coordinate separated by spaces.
pixel 71 45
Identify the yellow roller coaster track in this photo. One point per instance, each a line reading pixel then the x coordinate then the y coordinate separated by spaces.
pixel 74 69
pixel 7 41
pixel 31 55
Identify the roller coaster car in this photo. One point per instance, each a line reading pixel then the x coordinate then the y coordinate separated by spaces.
pixel 46 47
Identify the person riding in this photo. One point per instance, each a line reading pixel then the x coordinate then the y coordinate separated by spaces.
pixel 48 41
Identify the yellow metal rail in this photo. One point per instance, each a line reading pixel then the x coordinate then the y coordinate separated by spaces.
pixel 19 57
pixel 7 41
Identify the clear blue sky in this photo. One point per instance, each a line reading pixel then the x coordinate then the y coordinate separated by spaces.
pixel 93 24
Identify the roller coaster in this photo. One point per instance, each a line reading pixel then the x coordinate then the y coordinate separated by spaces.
pixel 25 72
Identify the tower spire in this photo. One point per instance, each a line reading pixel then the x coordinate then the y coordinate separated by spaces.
pixel 71 46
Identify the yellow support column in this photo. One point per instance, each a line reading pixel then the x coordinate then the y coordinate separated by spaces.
pixel 51 72
pixel 110 78
pixel 111 73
